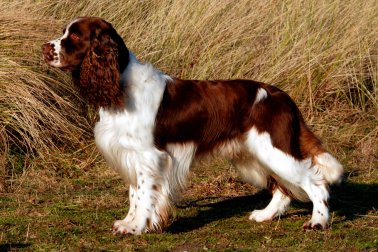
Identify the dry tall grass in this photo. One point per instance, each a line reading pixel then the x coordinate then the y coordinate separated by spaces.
pixel 39 109
pixel 324 53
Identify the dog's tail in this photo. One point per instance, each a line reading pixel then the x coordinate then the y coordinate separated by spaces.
pixel 324 162
pixel 330 167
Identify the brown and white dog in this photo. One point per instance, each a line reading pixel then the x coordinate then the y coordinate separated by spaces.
pixel 151 127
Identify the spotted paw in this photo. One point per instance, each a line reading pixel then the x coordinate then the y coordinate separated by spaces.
pixel 122 227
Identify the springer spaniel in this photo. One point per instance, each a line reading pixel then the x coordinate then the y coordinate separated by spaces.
pixel 152 125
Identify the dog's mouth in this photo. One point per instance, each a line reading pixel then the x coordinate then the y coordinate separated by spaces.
pixel 52 60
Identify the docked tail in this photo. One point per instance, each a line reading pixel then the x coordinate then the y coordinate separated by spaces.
pixel 311 146
pixel 330 167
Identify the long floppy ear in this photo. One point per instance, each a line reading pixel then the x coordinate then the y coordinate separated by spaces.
pixel 100 73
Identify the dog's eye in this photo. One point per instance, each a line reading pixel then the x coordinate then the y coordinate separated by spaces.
pixel 74 37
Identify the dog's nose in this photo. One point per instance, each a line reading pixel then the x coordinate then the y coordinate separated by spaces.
pixel 47 48
pixel 48 51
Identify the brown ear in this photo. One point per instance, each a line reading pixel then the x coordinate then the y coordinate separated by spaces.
pixel 99 74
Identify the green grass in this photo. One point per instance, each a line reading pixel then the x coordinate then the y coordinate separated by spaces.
pixel 76 213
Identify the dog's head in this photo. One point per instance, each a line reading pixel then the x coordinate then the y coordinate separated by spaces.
pixel 92 49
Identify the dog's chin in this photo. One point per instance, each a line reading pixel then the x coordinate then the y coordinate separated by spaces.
pixel 63 68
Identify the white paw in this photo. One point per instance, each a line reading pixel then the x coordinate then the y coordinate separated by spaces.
pixel 261 215
pixel 123 227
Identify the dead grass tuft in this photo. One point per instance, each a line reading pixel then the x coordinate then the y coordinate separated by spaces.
pixel 40 112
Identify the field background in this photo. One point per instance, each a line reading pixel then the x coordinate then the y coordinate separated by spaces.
pixel 56 192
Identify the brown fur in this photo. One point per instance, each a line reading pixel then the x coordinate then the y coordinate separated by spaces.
pixel 210 113
pixel 96 55
pixel 100 76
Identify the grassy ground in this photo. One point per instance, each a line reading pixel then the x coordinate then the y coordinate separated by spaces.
pixel 73 210
pixel 57 194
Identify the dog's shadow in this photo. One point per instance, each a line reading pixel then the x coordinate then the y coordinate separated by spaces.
pixel 14 246
pixel 350 200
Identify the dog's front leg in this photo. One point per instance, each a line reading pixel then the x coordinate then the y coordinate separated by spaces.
pixel 149 199
pixel 140 212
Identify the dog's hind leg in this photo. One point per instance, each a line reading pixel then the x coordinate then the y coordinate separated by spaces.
pixel 276 207
pixel 318 194
pixel 306 175
pixel 254 173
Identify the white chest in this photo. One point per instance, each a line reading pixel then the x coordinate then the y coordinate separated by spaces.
pixel 123 129
pixel 124 137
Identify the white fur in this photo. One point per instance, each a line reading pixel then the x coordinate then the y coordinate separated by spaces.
pixel 229 149
pixel 276 207
pixel 182 156
pixel 57 62
pixel 261 95
pixel 125 138
pixel 275 160
pixel 251 171
pixel 330 167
